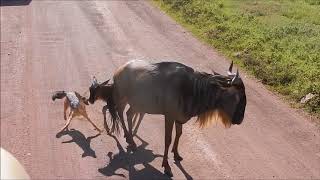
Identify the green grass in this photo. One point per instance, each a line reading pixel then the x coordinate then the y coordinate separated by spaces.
pixel 278 41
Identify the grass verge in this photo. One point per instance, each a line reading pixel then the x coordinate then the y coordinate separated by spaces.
pixel 278 41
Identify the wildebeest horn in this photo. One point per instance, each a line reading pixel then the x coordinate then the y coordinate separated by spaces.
pixel 230 69
pixel 214 73
pixel 105 83
pixel 235 77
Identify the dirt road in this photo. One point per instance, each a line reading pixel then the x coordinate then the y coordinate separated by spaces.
pixel 59 45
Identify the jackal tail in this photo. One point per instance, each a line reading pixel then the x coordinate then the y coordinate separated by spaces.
pixel 58 95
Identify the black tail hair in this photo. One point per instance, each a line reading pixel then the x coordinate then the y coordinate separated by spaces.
pixel 113 112
pixel 58 95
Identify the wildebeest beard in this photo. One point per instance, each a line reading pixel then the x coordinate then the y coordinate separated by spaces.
pixel 201 97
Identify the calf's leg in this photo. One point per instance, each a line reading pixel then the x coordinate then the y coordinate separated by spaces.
pixel 104 112
pixel 130 113
pixel 120 109
pixel 141 115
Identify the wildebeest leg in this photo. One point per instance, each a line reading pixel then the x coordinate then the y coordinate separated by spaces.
pixel 177 157
pixel 104 111
pixel 135 117
pixel 168 136
pixel 66 105
pixel 130 113
pixel 141 115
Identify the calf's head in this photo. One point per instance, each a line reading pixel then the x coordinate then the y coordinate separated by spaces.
pixel 96 90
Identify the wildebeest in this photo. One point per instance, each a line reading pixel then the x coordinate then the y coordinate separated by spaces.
pixel 179 93
pixel 77 105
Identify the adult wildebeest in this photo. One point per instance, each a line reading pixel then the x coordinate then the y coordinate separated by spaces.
pixel 179 93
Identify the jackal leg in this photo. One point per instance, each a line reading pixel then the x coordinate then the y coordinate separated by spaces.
pixel 86 116
pixel 65 108
pixel 68 121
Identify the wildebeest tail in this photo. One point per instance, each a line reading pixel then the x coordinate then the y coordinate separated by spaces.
pixel 113 112
pixel 58 95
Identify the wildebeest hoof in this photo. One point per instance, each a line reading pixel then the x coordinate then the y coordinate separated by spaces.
pixel 177 158
pixel 129 141
pixel 132 147
pixel 106 128
pixel 109 133
pixel 168 172
pixel 100 131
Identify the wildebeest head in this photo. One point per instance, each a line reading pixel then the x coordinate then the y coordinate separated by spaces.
pixel 95 90
pixel 233 98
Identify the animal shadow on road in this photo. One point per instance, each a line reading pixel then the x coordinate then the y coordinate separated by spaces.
pixel 80 140
pixel 128 161
pixel 14 2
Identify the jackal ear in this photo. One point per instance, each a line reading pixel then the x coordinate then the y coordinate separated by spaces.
pixel 105 83
pixel 85 100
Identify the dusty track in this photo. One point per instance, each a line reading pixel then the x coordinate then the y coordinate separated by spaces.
pixel 55 45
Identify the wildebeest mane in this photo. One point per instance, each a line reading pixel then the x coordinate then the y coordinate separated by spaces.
pixel 200 98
